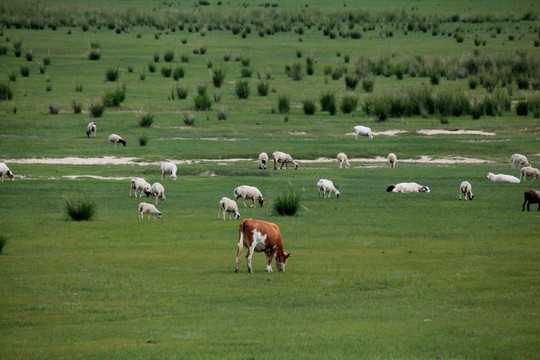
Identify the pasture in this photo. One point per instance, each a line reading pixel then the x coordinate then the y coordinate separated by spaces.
pixel 372 275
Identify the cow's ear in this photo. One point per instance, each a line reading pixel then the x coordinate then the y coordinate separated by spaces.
pixel 287 255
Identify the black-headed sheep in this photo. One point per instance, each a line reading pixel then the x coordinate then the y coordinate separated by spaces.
pixel 150 209
pixel 466 189
pixel 248 192
pixel 227 205
pixel 115 139
pixel 5 170
pixel 407 188
pixel 327 186
pixel 283 159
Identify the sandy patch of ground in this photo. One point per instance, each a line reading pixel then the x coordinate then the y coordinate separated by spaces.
pixel 423 160
pixel 202 138
pixel 385 132
pixel 431 132
pixel 74 177
pixel 298 133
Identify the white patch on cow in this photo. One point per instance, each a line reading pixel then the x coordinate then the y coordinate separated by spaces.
pixel 259 241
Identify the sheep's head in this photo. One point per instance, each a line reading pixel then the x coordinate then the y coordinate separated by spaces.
pixel 236 215
pixel 390 188
pixel 424 189
pixel 10 175
pixel 173 177
pixel 489 175
pixel 261 201
pixel 337 194
pixel 471 196
pixel 147 192
pixel 159 215
pixel 295 165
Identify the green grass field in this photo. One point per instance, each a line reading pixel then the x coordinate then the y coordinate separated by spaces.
pixel 373 275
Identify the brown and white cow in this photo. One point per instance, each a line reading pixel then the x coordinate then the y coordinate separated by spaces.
pixel 261 236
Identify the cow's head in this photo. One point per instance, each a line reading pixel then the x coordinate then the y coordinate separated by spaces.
pixel 281 261
pixel 261 201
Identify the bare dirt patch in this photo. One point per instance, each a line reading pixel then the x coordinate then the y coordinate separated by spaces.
pixel 393 132
pixel 75 177
pixel 431 132
pixel 202 138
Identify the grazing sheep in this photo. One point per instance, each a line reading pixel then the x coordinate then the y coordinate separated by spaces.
pixel 363 131
pixel 140 185
pixel 327 186
pixel 158 192
pixel 115 139
pixel 263 159
pixel 342 159
pixel 248 192
pixel 502 178
pixel 150 209
pixel 5 170
pixel 407 188
pixel 228 206
pixel 91 128
pixel 283 159
pixel 168 168
pixel 519 160
pixel 531 197
pixel 529 171
pixel 466 189
pixel 392 158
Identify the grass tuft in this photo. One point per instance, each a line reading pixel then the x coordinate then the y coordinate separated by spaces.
pixel 146 119
pixel 79 209
pixel 3 242
pixel 286 204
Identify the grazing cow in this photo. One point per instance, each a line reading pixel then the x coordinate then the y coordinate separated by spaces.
pixel 531 197
pixel 261 236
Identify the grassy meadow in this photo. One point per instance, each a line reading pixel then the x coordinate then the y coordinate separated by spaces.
pixel 373 275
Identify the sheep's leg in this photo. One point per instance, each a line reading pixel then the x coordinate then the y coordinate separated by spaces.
pixel 282 165
pixel 253 200
pixel 275 165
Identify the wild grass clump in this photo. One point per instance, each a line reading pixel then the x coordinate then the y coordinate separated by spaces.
pixel 189 119
pixel 146 119
pixel 328 102
pixel 29 55
pixel 368 84
pixel 5 92
pixel 294 71
pixel 112 73
pixel 351 81
pixel 534 105
pixel 377 107
pixel 3 242
pixel 242 89
pixel 202 102
pixel 422 101
pixel 309 107
pixel 522 108
pixel 53 109
pixel 476 107
pixel 443 105
pixel 115 96
pixel 143 140
pixel 284 104
pixel 166 71
pixel 222 115
pixel 262 88
pixel 287 204
pixel 151 67
pixel 218 76
pixel 94 54
pixel 79 209
pixel 76 106
pixel 17 47
pixel 24 70
pixel 168 56
pixel 96 109
pixel 348 104
pixel 181 92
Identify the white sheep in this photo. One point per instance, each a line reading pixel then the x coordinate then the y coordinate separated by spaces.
pixel 519 160
pixel 263 159
pixel 343 160
pixel 503 178
pixel 5 170
pixel 326 186
pixel 248 192
pixel 140 185
pixel 363 131
pixel 115 139
pixel 91 128
pixel 168 168
pixel 150 209
pixel 392 158
pixel 227 205
pixel 529 171
pixel 407 188
pixel 283 159
pixel 158 192
pixel 466 189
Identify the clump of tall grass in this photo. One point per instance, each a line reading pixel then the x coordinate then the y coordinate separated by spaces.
pixel 262 88
pixel 284 104
pixel 189 119
pixel 476 107
pixel 96 109
pixel 242 89
pixel 146 119
pixel 181 92
pixel 309 107
pixel 5 91
pixel 294 71
pixel 348 104
pixel 286 204
pixel 76 106
pixel 310 65
pixel 29 55
pixel 443 105
pixel 78 87
pixel 368 84
pixel 12 76
pixel 151 67
pixel 245 72
pixel 17 47
pixel 422 101
pixel 328 102
pixel 168 56
pixel 218 76
pixel 222 115
pixel 522 108
pixel 534 105
pixel 351 81
pixel 3 49
pixel 79 209
pixel 143 140
pixel 94 53
pixel 53 109
pixel 112 73
pixel 202 102
pixel 377 107
pixel 337 72
pixel 166 71
pixel 473 82
pixel 24 70
pixel 115 96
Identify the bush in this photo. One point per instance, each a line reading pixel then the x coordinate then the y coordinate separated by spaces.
pixel 143 140
pixel 112 73
pixel 222 115
pixel 202 102
pixel 328 103
pixel 24 70
pixel 79 209
pixel 377 107
pixel 294 71
pixel 96 109
pixel 349 104
pixel 422 101
pixel 115 96
pixel 181 92
pixel 151 67
pixel 476 108
pixel 53 109
pixel 245 72
pixel 367 84
pixel 17 47
pixel 76 106
pixel 146 119
pixel 309 107
pixel 522 108
pixel 523 82
pixel 5 92
pixel 443 105
pixel 189 119
pixel 94 54
pixel 29 55
pixel 351 81
pixel 218 76
pixel 473 82
pixel 262 88
pixel 534 105
pixel 168 56
pixel 166 71
pixel 242 89
pixel 284 104
pixel 287 204
pixel 3 242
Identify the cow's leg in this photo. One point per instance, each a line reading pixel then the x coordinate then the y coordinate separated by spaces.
pixel 249 255
pixel 269 257
pixel 239 250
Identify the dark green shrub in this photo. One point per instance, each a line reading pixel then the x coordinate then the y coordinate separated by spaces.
pixel 3 49
pixel 79 209
pixel 143 140
pixel 5 92
pixel 24 70
pixel 166 71
pixel 168 56
pixel 202 102
pixel 534 105
pixel 295 71
pixel 284 104
pixel 181 92
pixel 489 82
pixel 443 105
pixel 53 109
pixel 476 108
pixel 156 57
pixel 522 108
pixel 29 55
pixel 351 81
pixel 94 54
pixel 328 102
pixel 222 115
pixel 76 106
pixel 184 58
pixel 377 107
pixel 189 119
pixel 286 204
pixel 96 109
pixel 337 72
pixel 473 82
pixel 460 104
pixel 151 67
pixel 242 89
pixel 178 73
pixel 422 101
pixel 115 96
pixel 262 88
pixel 3 242
pixel 245 61
pixel 146 119
pixel 112 73
pixel 367 84
pixel 348 104
pixel 245 72
pixel 523 82
pixel 434 77
pixel 218 76
pixel 309 107
pixel 17 47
